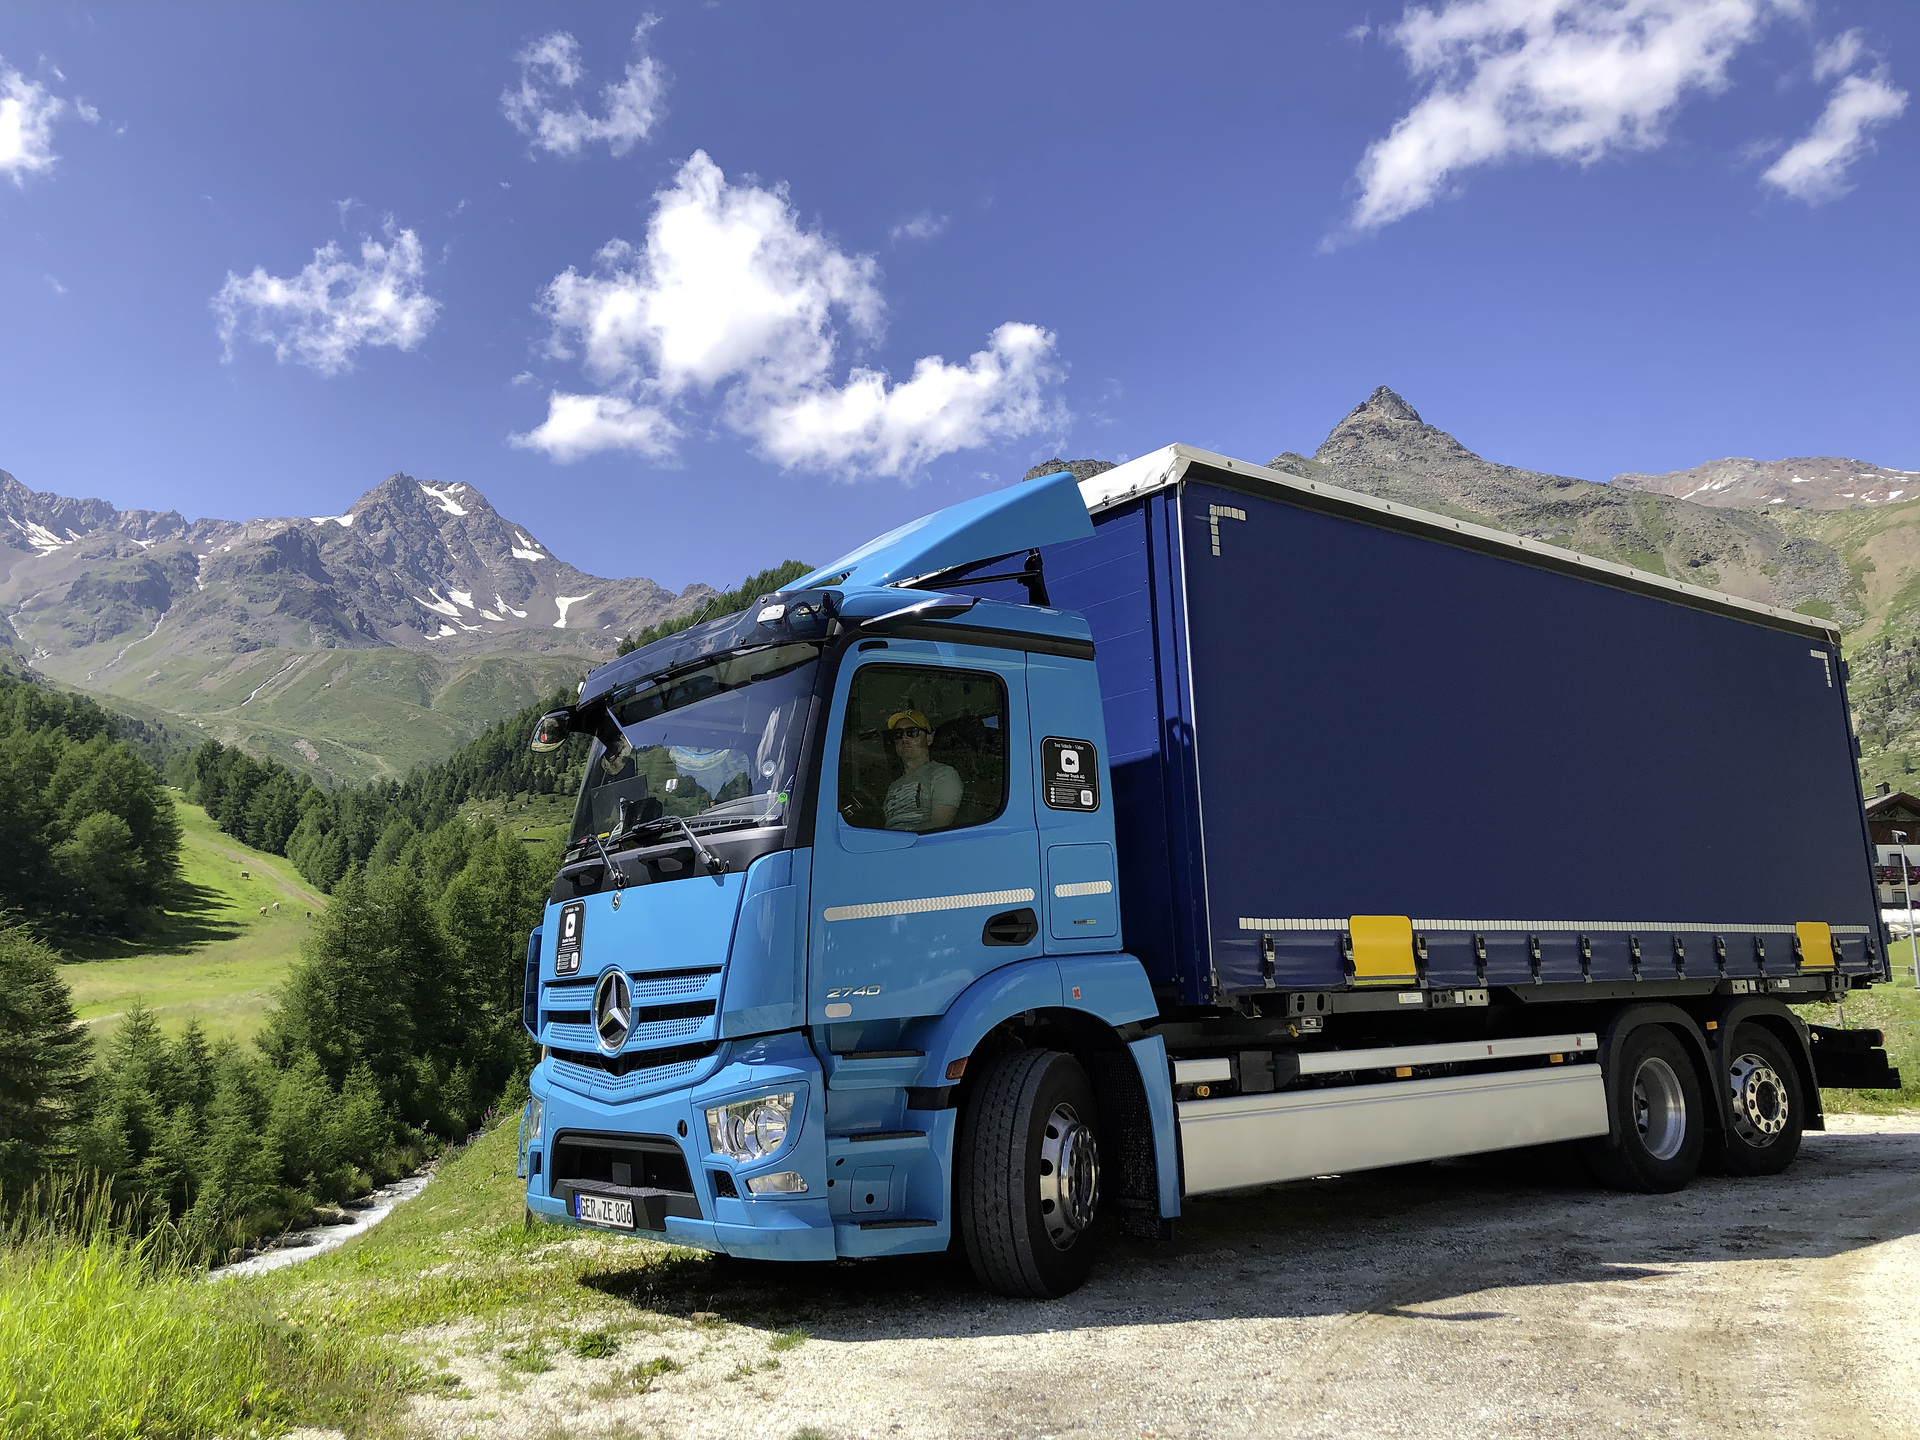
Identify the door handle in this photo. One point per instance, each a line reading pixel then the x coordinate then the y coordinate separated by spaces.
pixel 1010 927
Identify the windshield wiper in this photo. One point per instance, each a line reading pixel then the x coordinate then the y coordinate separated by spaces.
pixel 716 866
pixel 619 875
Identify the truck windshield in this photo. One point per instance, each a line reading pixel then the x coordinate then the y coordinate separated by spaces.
pixel 715 745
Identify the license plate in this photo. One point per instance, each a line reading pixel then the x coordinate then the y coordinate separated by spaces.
pixel 598 1210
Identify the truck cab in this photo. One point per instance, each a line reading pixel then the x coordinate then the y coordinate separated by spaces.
pixel 823 848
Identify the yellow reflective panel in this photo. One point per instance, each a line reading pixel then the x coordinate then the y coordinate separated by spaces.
pixel 1816 944
pixel 1382 949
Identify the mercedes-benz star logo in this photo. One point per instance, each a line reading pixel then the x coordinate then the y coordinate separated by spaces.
pixel 613 1009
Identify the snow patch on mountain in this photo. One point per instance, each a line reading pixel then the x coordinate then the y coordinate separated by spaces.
pixel 443 497
pixel 41 538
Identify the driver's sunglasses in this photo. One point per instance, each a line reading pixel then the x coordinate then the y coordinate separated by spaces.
pixel 914 731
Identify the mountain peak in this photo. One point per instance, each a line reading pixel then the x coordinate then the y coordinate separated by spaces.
pixel 414 563
pixel 1386 432
pixel 1387 405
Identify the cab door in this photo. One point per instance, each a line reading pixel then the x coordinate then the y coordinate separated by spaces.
pixel 912 904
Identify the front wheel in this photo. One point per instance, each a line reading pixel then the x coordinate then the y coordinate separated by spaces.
pixel 1027 1180
pixel 1654 1098
pixel 1764 1104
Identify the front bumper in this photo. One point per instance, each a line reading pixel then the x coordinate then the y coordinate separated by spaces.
pixel 766 1227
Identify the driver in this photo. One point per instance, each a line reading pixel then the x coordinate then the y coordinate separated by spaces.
pixel 927 794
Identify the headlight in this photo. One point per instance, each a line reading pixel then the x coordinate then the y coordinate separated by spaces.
pixel 530 1119
pixel 750 1129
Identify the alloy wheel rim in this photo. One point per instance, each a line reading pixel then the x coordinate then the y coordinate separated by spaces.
pixel 1659 1108
pixel 1761 1107
pixel 1069 1180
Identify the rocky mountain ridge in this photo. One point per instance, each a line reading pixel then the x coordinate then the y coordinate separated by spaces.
pixel 412 563
pixel 1824 482
pixel 1383 447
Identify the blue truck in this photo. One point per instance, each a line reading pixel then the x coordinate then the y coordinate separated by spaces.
pixel 1085 847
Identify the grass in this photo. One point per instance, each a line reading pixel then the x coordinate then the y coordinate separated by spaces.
pixel 214 957
pixel 1894 1010
pixel 459 1267
pixel 462 1254
pixel 596 1345
pixel 103 1337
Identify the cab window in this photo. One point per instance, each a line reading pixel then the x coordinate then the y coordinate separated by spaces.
pixel 924 748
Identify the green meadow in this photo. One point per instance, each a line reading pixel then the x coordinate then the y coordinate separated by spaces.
pixel 213 956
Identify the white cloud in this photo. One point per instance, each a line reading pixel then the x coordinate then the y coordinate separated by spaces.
pixel 1814 169
pixel 633 105
pixel 321 316
pixel 870 424
pixel 727 285
pixel 27 112
pixel 731 300
pixel 1574 80
pixel 924 226
pixel 1838 55
pixel 581 425
pixel 85 111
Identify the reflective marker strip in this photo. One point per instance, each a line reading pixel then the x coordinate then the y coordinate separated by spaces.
pixel 1640 927
pixel 1083 887
pixel 926 904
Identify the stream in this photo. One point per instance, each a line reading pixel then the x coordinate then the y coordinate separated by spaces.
pixel 298 1245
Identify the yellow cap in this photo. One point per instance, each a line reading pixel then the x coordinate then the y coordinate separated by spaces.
pixel 907 717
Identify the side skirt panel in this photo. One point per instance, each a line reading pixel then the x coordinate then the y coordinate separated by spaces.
pixel 1260 1139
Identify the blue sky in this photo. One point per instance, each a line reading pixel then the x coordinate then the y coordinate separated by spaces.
pixel 690 289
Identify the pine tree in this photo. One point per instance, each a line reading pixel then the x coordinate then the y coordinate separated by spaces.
pixel 43 1061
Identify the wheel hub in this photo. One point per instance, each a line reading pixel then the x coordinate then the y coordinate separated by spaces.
pixel 1760 1104
pixel 1659 1108
pixel 1069 1177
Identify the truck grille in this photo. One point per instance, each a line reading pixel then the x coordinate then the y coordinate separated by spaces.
pixel 645 1015
pixel 633 1061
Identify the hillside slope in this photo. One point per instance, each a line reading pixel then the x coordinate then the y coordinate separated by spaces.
pixel 213 957
pixel 347 716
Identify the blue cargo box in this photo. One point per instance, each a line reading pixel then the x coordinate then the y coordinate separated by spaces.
pixel 1323 706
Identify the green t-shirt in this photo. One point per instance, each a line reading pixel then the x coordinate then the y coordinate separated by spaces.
pixel 911 798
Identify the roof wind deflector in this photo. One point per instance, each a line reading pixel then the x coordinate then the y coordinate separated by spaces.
pixel 1018 518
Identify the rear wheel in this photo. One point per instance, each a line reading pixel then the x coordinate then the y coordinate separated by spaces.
pixel 1027 1178
pixel 1653 1096
pixel 1766 1108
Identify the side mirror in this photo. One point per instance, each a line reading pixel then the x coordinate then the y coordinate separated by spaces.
pixel 552 731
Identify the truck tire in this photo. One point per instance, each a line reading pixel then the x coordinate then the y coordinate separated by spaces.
pixel 1766 1105
pixel 1026 1187
pixel 1654 1098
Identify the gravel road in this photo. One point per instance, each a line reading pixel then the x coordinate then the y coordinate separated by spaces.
pixel 1480 1299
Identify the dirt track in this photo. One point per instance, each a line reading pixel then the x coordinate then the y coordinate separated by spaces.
pixel 1452 1300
